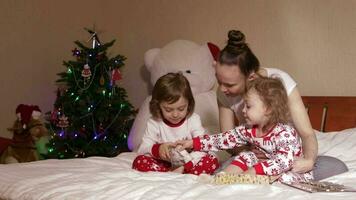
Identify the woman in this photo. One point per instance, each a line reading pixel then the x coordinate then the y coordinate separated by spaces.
pixel 236 65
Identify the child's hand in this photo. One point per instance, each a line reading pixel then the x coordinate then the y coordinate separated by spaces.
pixel 250 171
pixel 259 154
pixel 186 144
pixel 164 150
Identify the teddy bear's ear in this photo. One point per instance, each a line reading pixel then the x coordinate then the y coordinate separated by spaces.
pixel 150 56
pixel 214 50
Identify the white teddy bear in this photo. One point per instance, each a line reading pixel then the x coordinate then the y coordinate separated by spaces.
pixel 196 63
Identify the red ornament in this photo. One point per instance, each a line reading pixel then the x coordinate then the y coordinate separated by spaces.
pixel 100 57
pixel 86 73
pixel 83 132
pixel 101 129
pixel 54 115
pixel 115 76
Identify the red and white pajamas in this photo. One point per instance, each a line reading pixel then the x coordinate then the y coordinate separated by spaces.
pixel 206 165
pixel 279 145
pixel 159 132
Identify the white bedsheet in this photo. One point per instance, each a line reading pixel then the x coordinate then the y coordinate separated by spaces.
pixel 113 178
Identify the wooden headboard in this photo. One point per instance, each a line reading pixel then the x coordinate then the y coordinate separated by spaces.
pixel 331 113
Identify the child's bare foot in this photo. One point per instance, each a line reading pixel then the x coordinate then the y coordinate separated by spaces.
pixel 179 170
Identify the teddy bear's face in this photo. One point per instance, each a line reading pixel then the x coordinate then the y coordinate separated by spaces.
pixel 193 60
pixel 38 129
pixel 35 128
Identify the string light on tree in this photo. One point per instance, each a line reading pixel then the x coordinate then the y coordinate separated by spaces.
pixel 76 52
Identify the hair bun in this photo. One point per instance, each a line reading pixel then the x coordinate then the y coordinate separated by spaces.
pixel 236 38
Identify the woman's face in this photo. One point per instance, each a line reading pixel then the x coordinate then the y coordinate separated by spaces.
pixel 231 80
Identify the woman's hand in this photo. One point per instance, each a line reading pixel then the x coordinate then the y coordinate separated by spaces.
pixel 302 165
pixel 164 150
pixel 302 125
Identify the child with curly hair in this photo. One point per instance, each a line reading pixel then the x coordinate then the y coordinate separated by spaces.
pixel 266 114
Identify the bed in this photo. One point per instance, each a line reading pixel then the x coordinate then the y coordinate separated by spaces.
pixel 334 118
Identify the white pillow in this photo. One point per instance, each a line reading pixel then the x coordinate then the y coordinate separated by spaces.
pixel 339 144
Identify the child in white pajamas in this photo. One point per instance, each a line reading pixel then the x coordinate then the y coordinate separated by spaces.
pixel 266 128
pixel 173 118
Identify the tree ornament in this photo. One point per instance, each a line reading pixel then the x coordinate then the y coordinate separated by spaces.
pixel 94 38
pixel 100 57
pixel 115 76
pixel 101 129
pixel 82 129
pixel 86 73
pixel 54 115
pixel 76 52
pixel 102 80
pixel 63 122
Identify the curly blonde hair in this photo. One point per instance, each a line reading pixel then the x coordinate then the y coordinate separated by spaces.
pixel 274 96
pixel 169 88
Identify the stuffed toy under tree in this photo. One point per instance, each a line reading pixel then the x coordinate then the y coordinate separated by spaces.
pixel 91 115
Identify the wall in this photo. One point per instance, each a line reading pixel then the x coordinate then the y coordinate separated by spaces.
pixel 313 40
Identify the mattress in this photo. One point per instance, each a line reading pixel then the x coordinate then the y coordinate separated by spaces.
pixel 113 178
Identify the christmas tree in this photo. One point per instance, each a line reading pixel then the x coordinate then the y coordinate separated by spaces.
pixel 91 115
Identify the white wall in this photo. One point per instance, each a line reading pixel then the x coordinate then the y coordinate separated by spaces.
pixel 313 40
